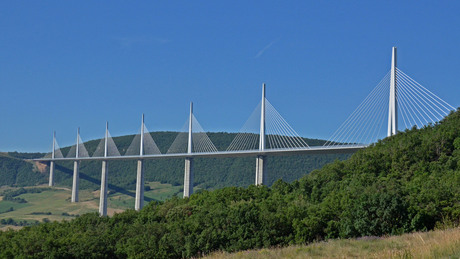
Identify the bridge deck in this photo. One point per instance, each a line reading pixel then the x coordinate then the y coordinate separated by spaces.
pixel 247 153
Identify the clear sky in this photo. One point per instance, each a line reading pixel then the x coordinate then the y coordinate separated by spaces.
pixel 65 64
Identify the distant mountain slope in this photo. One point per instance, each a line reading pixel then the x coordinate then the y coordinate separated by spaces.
pixel 210 173
pixel 15 171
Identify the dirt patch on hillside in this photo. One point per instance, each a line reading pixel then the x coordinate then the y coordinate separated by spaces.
pixel 41 167
pixel 111 212
pixel 5 228
pixel 90 204
pixel 96 193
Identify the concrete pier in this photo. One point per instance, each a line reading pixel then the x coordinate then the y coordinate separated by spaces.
pixel 188 174
pixel 188 177
pixel 260 170
pixel 51 181
pixel 261 160
pixel 104 174
pixel 76 173
pixel 139 204
pixel 76 180
pixel 103 194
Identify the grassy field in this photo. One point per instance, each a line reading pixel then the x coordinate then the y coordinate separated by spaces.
pixel 158 191
pixel 433 244
pixel 54 203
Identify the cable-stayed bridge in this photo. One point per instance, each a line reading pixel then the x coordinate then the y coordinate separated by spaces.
pixel 397 102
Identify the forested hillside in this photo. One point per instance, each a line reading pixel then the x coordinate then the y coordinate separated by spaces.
pixel 404 183
pixel 210 173
pixel 17 172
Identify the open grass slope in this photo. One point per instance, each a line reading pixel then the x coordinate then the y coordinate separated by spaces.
pixel 54 204
pixel 432 244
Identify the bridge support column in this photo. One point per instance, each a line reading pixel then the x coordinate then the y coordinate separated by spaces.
pixel 260 161
pixel 103 194
pixel 51 181
pixel 76 173
pixel 188 177
pixel 139 204
pixel 260 170
pixel 104 174
pixel 76 180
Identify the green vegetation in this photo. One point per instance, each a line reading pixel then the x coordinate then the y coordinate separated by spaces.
pixel 17 172
pixel 25 155
pixel 11 195
pixel 406 183
pixel 22 223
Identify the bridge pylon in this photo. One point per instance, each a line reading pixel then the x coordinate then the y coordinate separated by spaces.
pixel 393 104
pixel 76 173
pixel 51 180
pixel 104 174
pixel 261 159
pixel 139 203
pixel 188 174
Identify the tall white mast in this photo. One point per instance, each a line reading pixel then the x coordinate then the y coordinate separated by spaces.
pixel 392 111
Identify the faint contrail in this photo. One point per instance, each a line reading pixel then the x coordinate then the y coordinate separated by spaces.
pixel 261 52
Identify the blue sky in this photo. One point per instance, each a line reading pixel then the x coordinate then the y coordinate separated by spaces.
pixel 65 64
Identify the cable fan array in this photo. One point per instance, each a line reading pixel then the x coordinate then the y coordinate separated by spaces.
pixel 201 143
pixel 82 152
pixel 367 120
pixel 248 136
pixel 278 133
pixel 112 149
pixel 200 140
pixel 150 147
pixel 417 106
pixel 57 151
